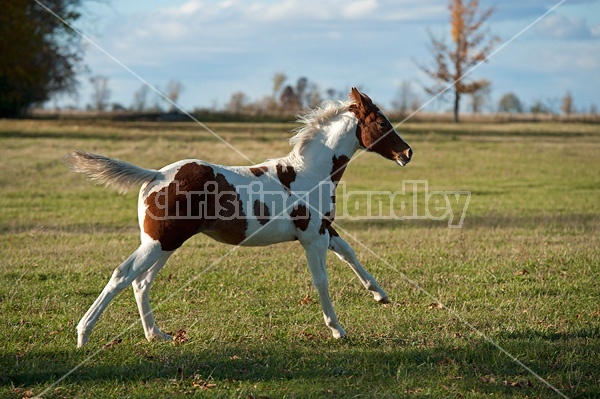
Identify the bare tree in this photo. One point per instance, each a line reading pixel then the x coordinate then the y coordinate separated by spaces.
pixel 566 105
pixel 404 97
pixel 101 92
pixel 173 91
pixel 236 103
pixel 157 101
pixel 290 103
pixel 333 94
pixel 139 99
pixel 301 87
pixel 471 44
pixel 270 105
pixel 481 96
pixel 539 108
pixel 406 100
pixel 313 95
pixel 415 103
pixel 278 80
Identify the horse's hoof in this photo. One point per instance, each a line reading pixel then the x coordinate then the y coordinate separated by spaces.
pixel 159 336
pixel 338 333
pixel 81 340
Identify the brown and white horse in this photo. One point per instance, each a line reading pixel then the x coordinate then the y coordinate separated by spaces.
pixel 285 199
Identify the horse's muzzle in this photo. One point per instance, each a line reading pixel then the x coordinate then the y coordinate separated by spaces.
pixel 404 157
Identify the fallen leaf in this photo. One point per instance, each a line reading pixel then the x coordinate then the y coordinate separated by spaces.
pixel 400 304
pixel 114 342
pixel 513 384
pixel 522 272
pixel 203 384
pixel 180 337
pixel 309 336
pixel 307 299
pixel 488 379
pixel 436 305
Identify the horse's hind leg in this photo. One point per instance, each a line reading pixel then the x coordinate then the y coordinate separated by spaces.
pixel 343 250
pixel 140 261
pixel 141 288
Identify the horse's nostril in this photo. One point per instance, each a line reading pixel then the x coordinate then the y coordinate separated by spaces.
pixel 408 153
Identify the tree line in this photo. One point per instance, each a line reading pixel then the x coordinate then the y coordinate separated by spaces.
pixel 288 97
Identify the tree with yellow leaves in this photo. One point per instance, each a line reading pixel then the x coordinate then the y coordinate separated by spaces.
pixel 471 44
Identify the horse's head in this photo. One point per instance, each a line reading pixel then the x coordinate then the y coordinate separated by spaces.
pixel 375 132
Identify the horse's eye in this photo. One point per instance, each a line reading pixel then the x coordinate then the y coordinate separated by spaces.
pixel 382 123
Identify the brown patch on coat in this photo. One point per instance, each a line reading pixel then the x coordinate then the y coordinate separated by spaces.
pixel 375 132
pixel 300 216
pixel 261 212
pixel 332 232
pixel 338 168
pixel 195 201
pixel 286 175
pixel 259 170
pixel 326 221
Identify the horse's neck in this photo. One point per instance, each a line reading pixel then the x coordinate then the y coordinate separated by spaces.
pixel 336 141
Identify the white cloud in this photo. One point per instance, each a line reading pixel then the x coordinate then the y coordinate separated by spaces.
pixel 191 7
pixel 357 9
pixel 307 10
pixel 562 27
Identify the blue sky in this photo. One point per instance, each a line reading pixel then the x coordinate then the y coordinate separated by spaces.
pixel 215 48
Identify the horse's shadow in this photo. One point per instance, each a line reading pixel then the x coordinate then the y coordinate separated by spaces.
pixel 477 366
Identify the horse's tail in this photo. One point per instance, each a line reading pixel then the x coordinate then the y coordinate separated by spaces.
pixel 112 172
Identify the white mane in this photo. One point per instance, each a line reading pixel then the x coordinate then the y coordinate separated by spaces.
pixel 314 120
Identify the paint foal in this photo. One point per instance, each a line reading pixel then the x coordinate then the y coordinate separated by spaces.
pixel 285 199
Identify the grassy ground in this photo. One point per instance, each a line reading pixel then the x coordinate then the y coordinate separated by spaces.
pixel 518 281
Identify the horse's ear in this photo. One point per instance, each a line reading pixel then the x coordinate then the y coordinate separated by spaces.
pixel 360 98
pixel 355 95
pixel 365 97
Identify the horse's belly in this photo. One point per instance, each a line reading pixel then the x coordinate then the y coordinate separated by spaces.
pixel 273 232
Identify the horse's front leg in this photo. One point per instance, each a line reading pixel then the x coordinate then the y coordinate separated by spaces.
pixel 343 250
pixel 316 252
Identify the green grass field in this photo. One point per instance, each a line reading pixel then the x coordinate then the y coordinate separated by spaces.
pixel 519 282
